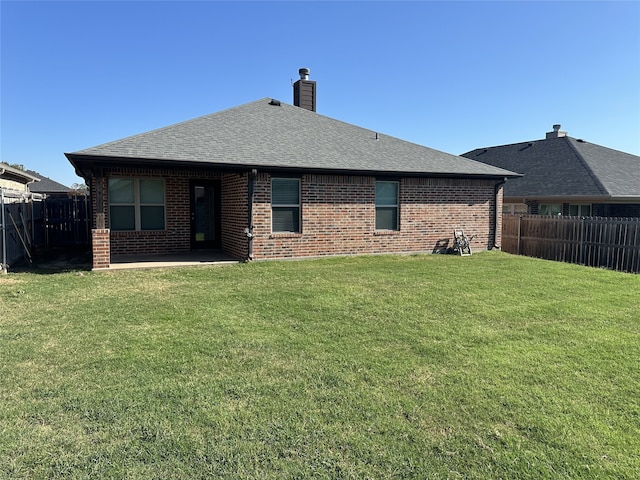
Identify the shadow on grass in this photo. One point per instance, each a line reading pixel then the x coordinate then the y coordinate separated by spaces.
pixel 56 260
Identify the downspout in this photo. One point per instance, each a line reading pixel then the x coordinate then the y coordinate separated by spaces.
pixel 496 213
pixel 251 178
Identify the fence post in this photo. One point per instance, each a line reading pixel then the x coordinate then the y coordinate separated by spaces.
pixel 3 238
pixel 45 220
pixel 34 239
pixel 87 217
pixel 582 219
pixel 519 232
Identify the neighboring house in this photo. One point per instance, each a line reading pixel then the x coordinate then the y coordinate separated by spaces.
pixel 12 178
pixel 47 186
pixel 269 180
pixel 566 176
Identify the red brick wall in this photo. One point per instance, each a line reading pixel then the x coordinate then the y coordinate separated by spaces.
pixel 176 237
pixel 100 248
pixel 234 214
pixel 338 217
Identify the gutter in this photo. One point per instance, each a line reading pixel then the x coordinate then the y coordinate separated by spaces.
pixel 80 161
pixel 496 191
pixel 20 174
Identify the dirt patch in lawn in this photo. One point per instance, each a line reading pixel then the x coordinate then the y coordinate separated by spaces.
pixel 56 261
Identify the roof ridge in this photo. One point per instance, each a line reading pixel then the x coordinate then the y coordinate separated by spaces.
pixel 166 127
pixel 586 165
pixel 506 145
pixel 260 134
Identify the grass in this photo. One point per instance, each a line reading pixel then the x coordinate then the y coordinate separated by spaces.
pixel 490 366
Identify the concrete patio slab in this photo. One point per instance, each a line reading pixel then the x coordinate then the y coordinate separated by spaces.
pixel 196 257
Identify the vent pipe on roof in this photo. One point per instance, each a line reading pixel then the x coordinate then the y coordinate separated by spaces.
pixel 304 91
pixel 556 132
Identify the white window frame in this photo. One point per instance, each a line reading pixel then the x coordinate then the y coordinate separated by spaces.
pixel 283 205
pixel 137 204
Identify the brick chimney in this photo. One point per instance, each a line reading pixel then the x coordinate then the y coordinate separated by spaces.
pixel 304 91
pixel 556 132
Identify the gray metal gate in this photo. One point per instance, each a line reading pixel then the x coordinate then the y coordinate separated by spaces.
pixel 21 226
pixel 31 221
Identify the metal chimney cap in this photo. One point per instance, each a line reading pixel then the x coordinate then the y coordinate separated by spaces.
pixel 304 73
pixel 556 127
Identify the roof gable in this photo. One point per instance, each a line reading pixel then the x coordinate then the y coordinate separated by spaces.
pixel 271 134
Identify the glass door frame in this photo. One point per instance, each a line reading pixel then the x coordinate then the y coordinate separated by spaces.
pixel 217 217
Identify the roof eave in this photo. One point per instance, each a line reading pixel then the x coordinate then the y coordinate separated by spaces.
pixel 84 164
pixel 17 175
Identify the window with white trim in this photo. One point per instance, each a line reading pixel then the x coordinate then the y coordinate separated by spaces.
pixel 136 204
pixel 387 205
pixel 285 205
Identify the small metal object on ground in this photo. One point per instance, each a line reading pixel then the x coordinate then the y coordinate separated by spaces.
pixel 462 243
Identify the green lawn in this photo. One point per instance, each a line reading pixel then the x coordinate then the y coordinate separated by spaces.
pixel 436 366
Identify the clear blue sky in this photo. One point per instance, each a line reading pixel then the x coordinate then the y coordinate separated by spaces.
pixel 449 75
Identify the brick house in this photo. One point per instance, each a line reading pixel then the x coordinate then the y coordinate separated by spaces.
pixel 268 180
pixel 566 176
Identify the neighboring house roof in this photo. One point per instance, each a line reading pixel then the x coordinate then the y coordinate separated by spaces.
pixel 270 134
pixel 46 185
pixel 564 167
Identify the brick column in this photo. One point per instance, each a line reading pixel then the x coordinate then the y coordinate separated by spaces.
pixel 101 248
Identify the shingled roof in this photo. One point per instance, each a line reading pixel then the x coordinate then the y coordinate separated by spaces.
pixel 269 134
pixel 564 166
pixel 46 185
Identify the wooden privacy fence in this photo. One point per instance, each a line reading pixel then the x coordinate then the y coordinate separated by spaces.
pixel 67 220
pixel 612 243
